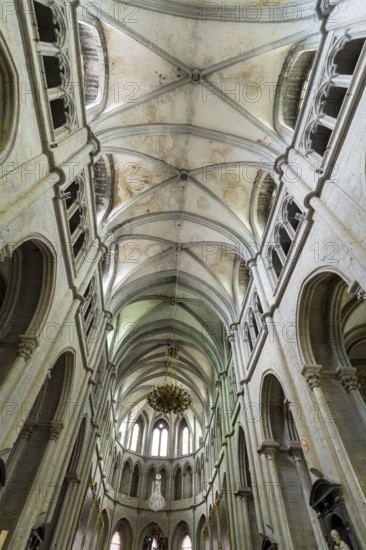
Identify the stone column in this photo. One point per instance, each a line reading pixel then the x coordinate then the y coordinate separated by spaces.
pixel 349 380
pixel 245 494
pixel 269 449
pixel 345 469
pixel 300 467
pixel 231 469
pixel 44 485
pixel 261 508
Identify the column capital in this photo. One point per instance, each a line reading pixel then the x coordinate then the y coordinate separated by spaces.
pixel 361 294
pixel 56 427
pixel 6 252
pixel 348 378
pixel 27 346
pixel 27 429
pixel 268 447
pixel 312 375
pixel 111 368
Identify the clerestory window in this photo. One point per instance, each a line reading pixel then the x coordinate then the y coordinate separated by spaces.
pixel 159 445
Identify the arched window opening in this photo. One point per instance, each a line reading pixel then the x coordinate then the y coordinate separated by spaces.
pixel 59 112
pixel 93 63
pixel 243 277
pixel 320 137
pixel 198 477
pixel 183 439
pixel 103 176
pixel 186 543
pixel 160 439
pixel 52 71
pixel 178 484
pixel 186 441
pixel 334 99
pixel 135 481
pixel 266 197
pixel 74 202
pixel 89 307
pixel 293 214
pixel 276 263
pixel 187 482
pixel 126 478
pixel 253 325
pixel 346 59
pixel 164 481
pixel 150 483
pixel 285 240
pixel 245 478
pixel 248 338
pixel 295 79
pixel 116 542
pixel 135 437
pixel 48 27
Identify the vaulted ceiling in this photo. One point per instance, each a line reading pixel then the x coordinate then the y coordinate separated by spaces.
pixel 188 121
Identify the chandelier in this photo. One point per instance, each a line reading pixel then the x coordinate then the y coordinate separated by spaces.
pixel 169 397
pixel 156 500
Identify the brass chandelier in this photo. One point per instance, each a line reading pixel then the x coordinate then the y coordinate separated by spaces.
pixel 169 397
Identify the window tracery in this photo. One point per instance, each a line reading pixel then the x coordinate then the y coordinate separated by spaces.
pixel 332 92
pixel 159 445
pixel 53 47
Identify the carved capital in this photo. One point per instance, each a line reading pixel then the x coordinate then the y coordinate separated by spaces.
pixel 312 375
pixel 348 378
pixel 27 346
pixel 6 252
pixel 269 447
pixel 72 478
pixel 111 367
pixel 361 294
pixel 55 429
pixel 27 429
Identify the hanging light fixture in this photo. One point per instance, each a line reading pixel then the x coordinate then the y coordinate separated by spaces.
pixel 156 500
pixel 169 397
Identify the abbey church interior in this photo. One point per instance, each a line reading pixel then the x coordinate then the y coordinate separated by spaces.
pixel 183 275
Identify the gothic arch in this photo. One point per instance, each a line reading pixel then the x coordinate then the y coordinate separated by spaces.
pixel 262 202
pixel 180 530
pixel 135 481
pixel 103 179
pixel 27 274
pixel 95 64
pixel 126 477
pixel 292 85
pixel 150 481
pixel 281 441
pixel 148 531
pixel 177 476
pixel 187 479
pixel 332 316
pixel 124 528
pixel 9 111
pixel 199 532
pixel 40 429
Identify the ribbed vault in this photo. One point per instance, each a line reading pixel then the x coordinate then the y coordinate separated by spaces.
pixel 189 130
